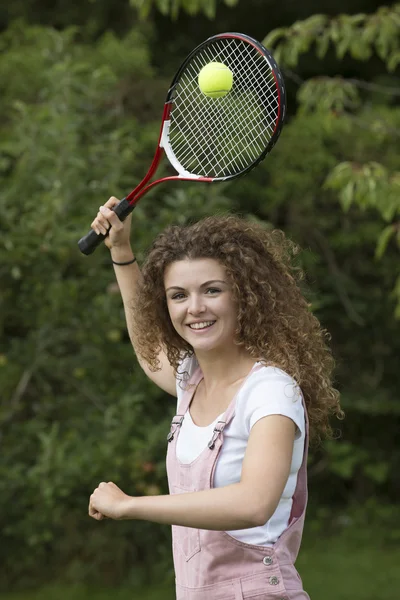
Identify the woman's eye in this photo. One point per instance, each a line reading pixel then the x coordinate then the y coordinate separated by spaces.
pixel 181 295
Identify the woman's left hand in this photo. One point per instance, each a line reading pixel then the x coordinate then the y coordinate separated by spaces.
pixel 108 501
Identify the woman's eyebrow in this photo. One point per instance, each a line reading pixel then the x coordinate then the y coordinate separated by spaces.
pixel 176 287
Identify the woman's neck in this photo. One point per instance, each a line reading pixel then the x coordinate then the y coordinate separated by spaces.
pixel 224 369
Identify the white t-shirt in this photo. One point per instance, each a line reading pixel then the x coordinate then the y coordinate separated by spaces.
pixel 267 391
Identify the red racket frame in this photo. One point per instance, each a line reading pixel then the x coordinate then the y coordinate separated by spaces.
pixel 141 189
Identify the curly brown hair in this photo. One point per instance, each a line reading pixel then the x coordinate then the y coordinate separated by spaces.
pixel 274 321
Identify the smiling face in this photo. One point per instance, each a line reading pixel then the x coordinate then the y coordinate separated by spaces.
pixel 200 303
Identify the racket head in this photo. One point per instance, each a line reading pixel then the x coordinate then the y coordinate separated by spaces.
pixel 222 138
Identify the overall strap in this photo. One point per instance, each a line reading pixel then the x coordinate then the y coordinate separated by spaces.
pixel 300 495
pixel 302 476
pixel 184 403
pixel 189 391
pixel 230 411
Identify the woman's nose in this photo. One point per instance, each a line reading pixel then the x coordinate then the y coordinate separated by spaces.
pixel 196 305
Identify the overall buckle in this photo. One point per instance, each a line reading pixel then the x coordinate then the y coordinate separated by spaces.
pixel 216 432
pixel 177 422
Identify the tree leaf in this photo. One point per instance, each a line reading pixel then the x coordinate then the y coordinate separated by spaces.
pixel 383 240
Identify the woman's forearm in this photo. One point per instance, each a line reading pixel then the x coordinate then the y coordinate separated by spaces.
pixel 221 509
pixel 128 278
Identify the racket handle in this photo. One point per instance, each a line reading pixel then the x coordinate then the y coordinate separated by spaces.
pixel 91 240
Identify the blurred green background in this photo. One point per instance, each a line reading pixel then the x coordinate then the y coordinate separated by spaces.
pixel 82 87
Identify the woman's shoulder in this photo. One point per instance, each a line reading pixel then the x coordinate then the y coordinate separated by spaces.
pixel 270 375
pixel 270 390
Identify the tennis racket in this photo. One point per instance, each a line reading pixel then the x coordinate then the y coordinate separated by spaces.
pixel 214 139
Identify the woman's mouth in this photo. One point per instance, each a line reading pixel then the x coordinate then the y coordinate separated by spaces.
pixel 202 326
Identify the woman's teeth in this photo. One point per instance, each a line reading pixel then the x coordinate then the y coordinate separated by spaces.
pixel 201 325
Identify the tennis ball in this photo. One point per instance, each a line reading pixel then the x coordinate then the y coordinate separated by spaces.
pixel 215 80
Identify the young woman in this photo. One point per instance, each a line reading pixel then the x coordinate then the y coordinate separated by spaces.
pixel 217 319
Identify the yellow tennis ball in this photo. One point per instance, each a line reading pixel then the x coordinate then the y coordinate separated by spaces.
pixel 215 80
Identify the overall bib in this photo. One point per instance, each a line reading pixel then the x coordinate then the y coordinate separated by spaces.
pixel 212 565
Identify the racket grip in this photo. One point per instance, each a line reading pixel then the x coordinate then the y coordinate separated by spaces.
pixel 89 242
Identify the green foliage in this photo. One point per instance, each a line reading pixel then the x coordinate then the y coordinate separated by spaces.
pixel 368 185
pixel 328 94
pixel 172 7
pixel 373 184
pixel 346 458
pixel 359 35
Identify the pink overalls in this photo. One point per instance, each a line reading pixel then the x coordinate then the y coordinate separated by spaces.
pixel 212 565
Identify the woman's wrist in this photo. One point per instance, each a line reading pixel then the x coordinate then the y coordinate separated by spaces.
pixel 121 254
pixel 127 509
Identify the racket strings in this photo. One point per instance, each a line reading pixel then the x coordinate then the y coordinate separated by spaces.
pixel 245 122
pixel 242 99
pixel 264 74
pixel 246 79
pixel 231 153
pixel 219 137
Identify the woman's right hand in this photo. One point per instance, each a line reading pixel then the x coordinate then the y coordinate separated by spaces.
pixel 119 235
